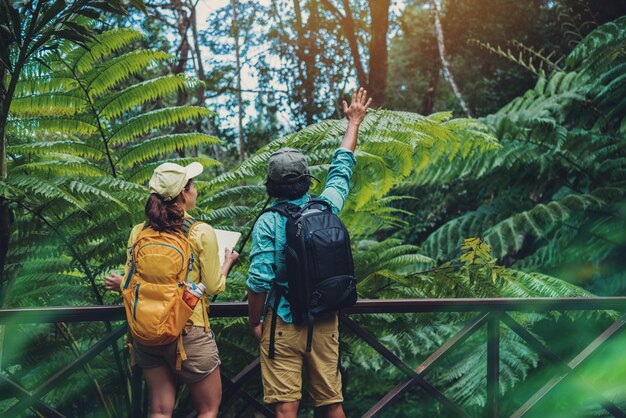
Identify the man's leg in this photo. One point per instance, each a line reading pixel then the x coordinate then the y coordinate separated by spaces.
pixel 282 375
pixel 286 409
pixel 330 411
pixel 323 369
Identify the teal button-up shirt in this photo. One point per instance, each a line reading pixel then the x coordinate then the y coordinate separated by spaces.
pixel 267 258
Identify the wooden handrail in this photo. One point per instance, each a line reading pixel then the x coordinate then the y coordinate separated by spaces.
pixel 236 309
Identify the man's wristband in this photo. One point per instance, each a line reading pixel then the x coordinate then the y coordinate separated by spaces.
pixel 254 324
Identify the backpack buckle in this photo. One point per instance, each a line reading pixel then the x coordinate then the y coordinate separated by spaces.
pixel 315 298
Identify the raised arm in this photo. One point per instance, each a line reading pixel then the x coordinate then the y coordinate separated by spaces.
pixel 355 114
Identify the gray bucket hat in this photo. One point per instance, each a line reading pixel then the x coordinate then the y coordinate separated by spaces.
pixel 287 165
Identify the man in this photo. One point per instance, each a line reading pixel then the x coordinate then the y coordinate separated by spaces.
pixel 288 180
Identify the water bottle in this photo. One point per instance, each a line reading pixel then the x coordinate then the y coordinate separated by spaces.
pixel 192 293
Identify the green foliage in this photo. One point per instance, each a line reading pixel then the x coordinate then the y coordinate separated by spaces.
pixel 86 128
pixel 548 203
pixel 392 147
pixel 546 198
pixel 541 184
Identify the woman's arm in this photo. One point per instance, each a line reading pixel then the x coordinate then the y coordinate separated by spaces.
pixel 114 280
pixel 230 259
pixel 213 275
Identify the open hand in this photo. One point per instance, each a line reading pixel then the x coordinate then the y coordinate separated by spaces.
pixel 358 106
pixel 113 282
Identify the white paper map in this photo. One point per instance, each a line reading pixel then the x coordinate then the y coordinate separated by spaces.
pixel 226 239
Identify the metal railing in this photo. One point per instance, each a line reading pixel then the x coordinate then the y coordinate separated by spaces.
pixel 490 313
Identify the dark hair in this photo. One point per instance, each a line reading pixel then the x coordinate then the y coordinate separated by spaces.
pixel 165 216
pixel 288 190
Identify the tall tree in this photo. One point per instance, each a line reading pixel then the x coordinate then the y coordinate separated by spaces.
pixel 444 60
pixel 378 55
pixel 238 75
pixel 307 53
pixel 375 80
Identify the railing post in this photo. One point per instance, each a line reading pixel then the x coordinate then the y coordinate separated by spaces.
pixel 493 365
pixel 136 392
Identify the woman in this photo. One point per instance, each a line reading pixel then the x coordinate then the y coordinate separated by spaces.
pixel 173 194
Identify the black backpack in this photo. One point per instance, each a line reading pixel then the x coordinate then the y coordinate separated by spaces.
pixel 320 268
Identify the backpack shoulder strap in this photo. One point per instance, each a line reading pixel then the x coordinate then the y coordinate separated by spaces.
pixel 187 226
pixel 286 209
pixel 317 201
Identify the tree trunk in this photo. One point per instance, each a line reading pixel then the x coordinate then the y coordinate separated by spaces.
pixel 310 60
pixel 182 22
pixel 239 99
pixel 349 30
pixel 377 83
pixel 428 101
pixel 6 94
pixel 307 51
pixel 200 74
pixel 444 60
pixel 5 211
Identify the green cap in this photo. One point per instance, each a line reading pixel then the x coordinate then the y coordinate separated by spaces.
pixel 287 165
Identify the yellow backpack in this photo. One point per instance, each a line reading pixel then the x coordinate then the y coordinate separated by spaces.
pixel 153 290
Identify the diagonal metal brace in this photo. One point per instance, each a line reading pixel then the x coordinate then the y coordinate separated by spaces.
pixel 234 387
pixel 428 364
pixel 393 359
pixel 566 369
pixel 240 379
pixel 7 385
pixel 28 400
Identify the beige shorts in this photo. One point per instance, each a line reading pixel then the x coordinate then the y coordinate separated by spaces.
pixel 202 355
pixel 282 375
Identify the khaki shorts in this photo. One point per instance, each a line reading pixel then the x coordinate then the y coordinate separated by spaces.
pixel 282 375
pixel 201 350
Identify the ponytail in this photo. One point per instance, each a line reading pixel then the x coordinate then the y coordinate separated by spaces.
pixel 165 216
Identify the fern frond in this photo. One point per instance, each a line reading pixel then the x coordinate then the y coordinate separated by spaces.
pixel 139 94
pixel 58 147
pixel 156 119
pixel 529 285
pixel 53 126
pixel 44 84
pixel 103 46
pixel 143 173
pixel 597 42
pixel 161 145
pixel 47 104
pixel 45 189
pixel 509 234
pixel 63 165
pixel 106 76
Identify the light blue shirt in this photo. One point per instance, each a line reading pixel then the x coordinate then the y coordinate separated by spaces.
pixel 267 258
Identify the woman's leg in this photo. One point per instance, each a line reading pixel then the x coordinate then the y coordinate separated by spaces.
pixel 162 390
pixel 207 394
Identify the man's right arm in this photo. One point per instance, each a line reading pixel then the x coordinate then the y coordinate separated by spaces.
pixel 355 113
pixel 261 272
pixel 338 180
